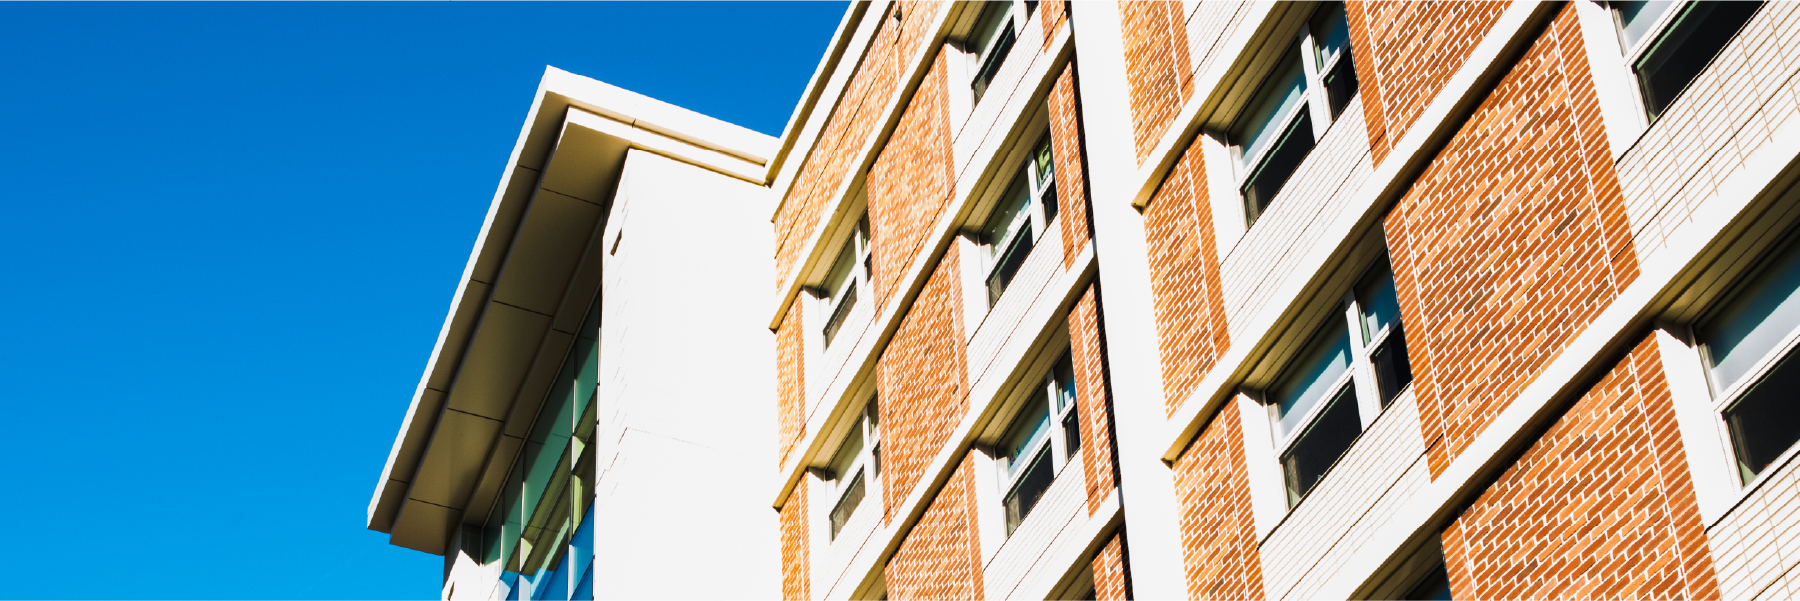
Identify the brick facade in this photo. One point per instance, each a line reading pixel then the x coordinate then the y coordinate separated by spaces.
pixel 1069 158
pixel 911 181
pixel 1600 507
pixel 923 378
pixel 1156 67
pixel 1184 278
pixel 1112 581
pixel 852 121
pixel 796 575
pixel 940 557
pixel 1405 52
pixel 1511 241
pixel 1053 14
pixel 1218 532
pixel 1087 351
pixel 790 382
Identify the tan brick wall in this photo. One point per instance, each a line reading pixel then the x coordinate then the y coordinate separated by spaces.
pixel 1600 507
pixel 1087 351
pixel 1110 581
pixel 1067 153
pixel 911 181
pixel 1184 278
pixel 923 377
pixel 940 558
pixel 1156 67
pixel 1218 532
pixel 796 571
pixel 790 381
pixel 1405 52
pixel 846 130
pixel 1512 240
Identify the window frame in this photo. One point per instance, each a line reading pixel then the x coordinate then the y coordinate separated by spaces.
pixel 1360 377
pixel 832 304
pixel 1631 53
pixel 1041 210
pixel 1315 103
pixel 1057 442
pixel 1013 21
pixel 1722 400
pixel 865 467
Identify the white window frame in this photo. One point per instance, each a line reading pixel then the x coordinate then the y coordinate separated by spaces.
pixel 1015 20
pixel 1629 54
pixel 1034 221
pixel 1722 399
pixel 865 465
pixel 831 303
pixel 1042 388
pixel 1315 101
pixel 1360 375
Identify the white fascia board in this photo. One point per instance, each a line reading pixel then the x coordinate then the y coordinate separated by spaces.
pixel 645 122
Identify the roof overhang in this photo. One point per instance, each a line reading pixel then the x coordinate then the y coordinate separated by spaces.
pixel 525 291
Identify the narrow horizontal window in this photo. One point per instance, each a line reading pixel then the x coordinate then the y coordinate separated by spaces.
pixel 1029 488
pixel 847 505
pixel 1692 40
pixel 1321 444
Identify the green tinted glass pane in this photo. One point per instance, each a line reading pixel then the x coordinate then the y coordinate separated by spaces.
pixel 1754 321
pixel 1029 428
pixel 1268 113
pixel 1009 216
pixel 1377 300
pixel 1310 377
pixel 1635 18
pixel 847 452
pixel 1331 34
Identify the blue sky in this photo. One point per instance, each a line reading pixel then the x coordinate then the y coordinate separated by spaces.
pixel 231 233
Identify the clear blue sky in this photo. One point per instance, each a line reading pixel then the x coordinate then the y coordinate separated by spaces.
pixel 231 233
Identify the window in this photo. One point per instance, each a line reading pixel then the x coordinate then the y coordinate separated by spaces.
pixel 849 272
pixel 1435 586
pixel 1022 214
pixel 1309 87
pixel 1744 345
pixel 1034 449
pixel 856 466
pixel 1345 375
pixel 1667 44
pixel 996 30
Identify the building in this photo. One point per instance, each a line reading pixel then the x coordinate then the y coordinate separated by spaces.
pixel 1151 300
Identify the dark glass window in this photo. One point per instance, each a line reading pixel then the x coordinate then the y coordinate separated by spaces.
pixel 991 41
pixel 1320 445
pixel 846 506
pixel 1693 38
pixel 1279 126
pixel 1754 322
pixel 1029 489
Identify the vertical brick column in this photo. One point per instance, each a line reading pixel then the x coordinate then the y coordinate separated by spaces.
pixel 1509 244
pixel 1218 532
pixel 1405 53
pixel 1184 278
pixel 796 573
pixel 1087 351
pixel 790 384
pixel 1071 173
pixel 1112 581
pixel 911 181
pixel 1054 13
pixel 1156 67
pixel 923 377
pixel 1600 507
pixel 940 558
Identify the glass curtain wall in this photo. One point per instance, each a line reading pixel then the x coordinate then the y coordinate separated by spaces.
pixel 541 528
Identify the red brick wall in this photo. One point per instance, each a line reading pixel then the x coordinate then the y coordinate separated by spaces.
pixel 796 574
pixel 911 181
pixel 1218 531
pixel 1067 150
pixel 1184 278
pixel 848 128
pixel 1600 507
pixel 1053 13
pixel 923 377
pixel 1110 581
pixel 1405 52
pixel 790 381
pixel 1156 67
pixel 1087 351
pixel 1512 240
pixel 940 558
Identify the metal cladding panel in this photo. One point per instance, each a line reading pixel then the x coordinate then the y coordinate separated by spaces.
pixel 550 243
pixel 424 527
pixel 497 360
pixel 453 461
